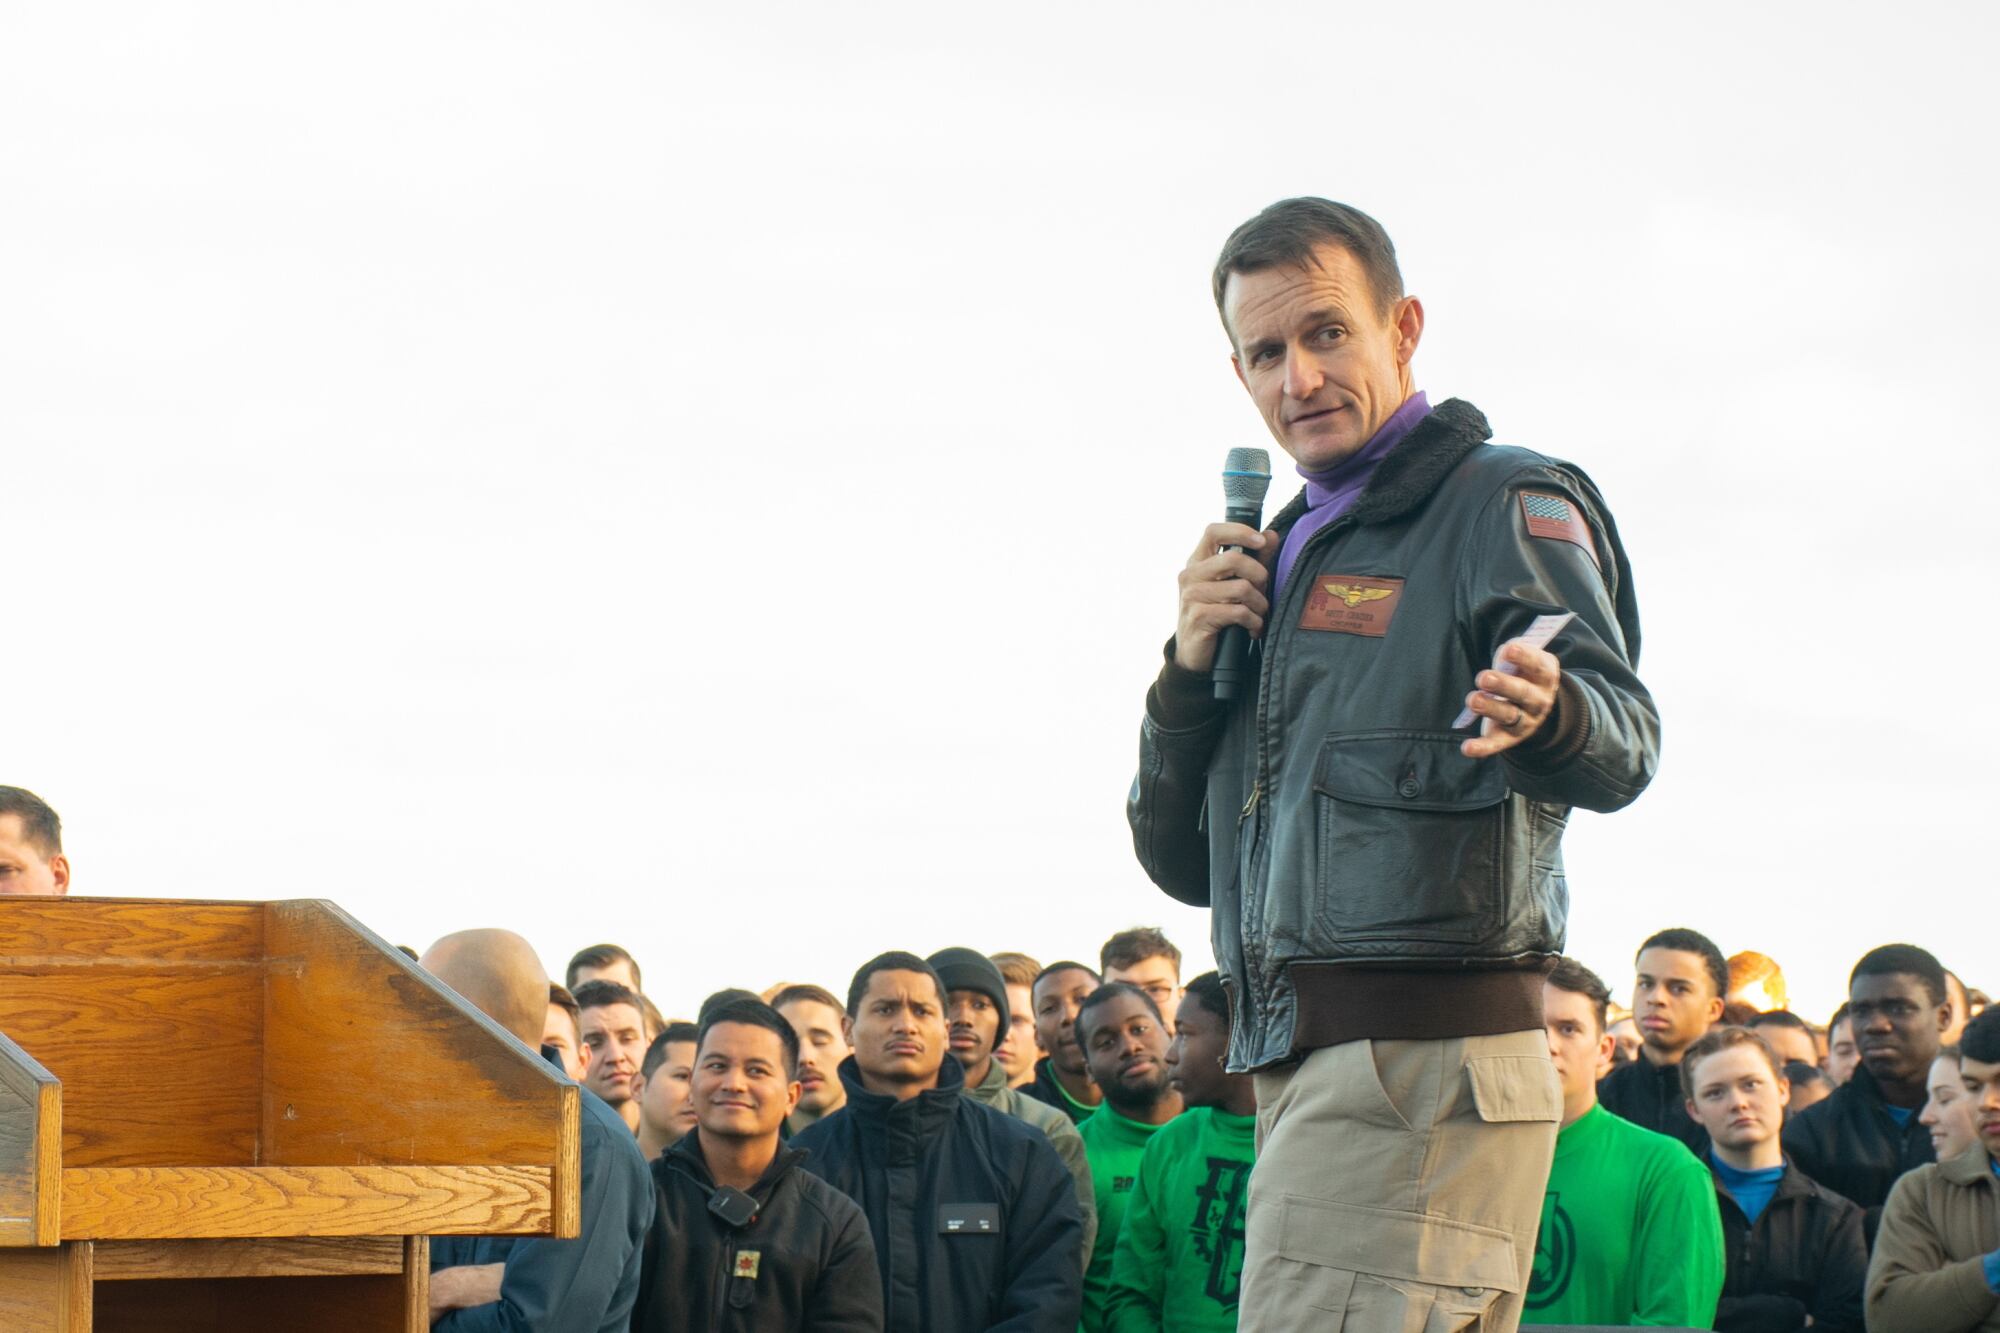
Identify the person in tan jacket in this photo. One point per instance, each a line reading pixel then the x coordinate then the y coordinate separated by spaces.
pixel 1937 1253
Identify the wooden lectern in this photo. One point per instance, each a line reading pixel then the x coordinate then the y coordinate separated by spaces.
pixel 221 1115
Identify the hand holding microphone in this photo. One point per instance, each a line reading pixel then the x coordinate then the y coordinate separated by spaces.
pixel 1222 586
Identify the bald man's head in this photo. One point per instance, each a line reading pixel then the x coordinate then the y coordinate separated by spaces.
pixel 497 971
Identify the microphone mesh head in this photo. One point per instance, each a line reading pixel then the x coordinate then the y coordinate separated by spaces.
pixel 1245 477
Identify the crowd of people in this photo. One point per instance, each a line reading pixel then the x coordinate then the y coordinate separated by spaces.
pixel 982 1141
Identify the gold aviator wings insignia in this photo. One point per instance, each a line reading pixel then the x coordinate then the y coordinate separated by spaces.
pixel 1354 596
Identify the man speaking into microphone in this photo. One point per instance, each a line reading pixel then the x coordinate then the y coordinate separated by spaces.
pixel 1375 816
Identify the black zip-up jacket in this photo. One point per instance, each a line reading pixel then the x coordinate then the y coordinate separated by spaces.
pixel 975 1217
pixel 1853 1146
pixel 1650 1096
pixel 1803 1256
pixel 1368 880
pixel 804 1264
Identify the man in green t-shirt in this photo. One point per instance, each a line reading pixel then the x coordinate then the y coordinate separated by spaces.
pixel 1630 1231
pixel 1124 1044
pixel 1179 1261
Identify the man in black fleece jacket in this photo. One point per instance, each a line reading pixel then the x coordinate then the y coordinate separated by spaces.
pixel 974 1216
pixel 744 1241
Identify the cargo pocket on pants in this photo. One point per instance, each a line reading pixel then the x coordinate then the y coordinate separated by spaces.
pixel 1515 1087
pixel 1320 1289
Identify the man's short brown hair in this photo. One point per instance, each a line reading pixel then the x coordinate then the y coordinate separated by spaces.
pixel 41 828
pixel 1290 230
pixel 1577 979
pixel 1717 1040
pixel 1017 969
pixel 599 957
pixel 1129 948
pixel 805 990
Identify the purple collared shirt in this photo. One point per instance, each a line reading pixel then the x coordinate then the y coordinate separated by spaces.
pixel 1331 493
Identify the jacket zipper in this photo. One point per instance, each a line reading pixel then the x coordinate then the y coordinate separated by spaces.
pixel 1252 945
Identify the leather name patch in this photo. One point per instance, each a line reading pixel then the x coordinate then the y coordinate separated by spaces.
pixel 1555 518
pixel 1352 604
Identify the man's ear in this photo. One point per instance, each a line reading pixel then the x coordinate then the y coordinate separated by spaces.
pixel 847 1030
pixel 1943 1015
pixel 59 868
pixel 1408 318
pixel 1607 1046
pixel 1236 364
pixel 1715 1008
pixel 792 1091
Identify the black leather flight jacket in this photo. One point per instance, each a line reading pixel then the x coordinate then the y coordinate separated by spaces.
pixel 1368 880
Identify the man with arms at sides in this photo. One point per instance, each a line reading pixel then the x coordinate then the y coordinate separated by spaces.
pixel 1629 1233
pixel 747 1241
pixel 1178 1266
pixel 1842 1056
pixel 1386 895
pixel 31 854
pixel 1020 1050
pixel 1146 958
pixel 603 962
pixel 1125 1040
pixel 1866 1134
pixel 1796 1253
pixel 1063 1079
pixel 974 1218
pixel 1937 1256
pixel 976 1013
pixel 519 1284
pixel 1676 998
pixel 1787 1035
pixel 613 1027
pixel 820 1022
pixel 560 1032
pixel 666 1073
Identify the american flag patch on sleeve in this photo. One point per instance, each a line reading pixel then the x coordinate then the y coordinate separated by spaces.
pixel 1556 518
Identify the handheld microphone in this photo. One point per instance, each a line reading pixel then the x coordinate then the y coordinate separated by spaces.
pixel 1246 475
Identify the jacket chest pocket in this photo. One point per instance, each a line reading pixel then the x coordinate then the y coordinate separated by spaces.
pixel 1411 839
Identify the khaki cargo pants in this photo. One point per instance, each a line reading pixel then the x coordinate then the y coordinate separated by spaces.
pixel 1398 1186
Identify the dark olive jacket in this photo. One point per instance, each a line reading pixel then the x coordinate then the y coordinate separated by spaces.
pixel 1367 879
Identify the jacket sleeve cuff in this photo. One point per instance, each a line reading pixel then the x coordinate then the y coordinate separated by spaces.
pixel 1561 737
pixel 1181 700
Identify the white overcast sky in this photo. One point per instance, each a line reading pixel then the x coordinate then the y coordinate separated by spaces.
pixel 712 477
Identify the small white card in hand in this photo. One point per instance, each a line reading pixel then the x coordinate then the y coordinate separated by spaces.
pixel 1536 636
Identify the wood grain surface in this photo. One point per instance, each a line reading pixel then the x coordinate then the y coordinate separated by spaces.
pixel 153 1203
pixel 445 1083
pixel 159 1062
pixel 288 1256
pixel 111 930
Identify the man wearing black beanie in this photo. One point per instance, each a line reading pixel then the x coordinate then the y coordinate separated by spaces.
pixel 976 1011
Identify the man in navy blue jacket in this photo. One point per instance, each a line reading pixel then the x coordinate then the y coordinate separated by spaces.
pixel 974 1216
pixel 533 1284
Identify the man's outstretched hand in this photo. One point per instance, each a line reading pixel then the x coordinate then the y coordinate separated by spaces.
pixel 1512 708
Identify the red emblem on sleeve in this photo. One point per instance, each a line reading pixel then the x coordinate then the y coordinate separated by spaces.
pixel 1557 519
